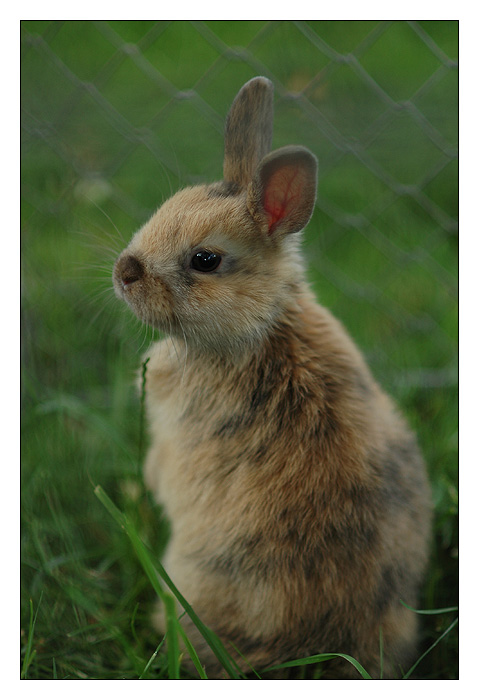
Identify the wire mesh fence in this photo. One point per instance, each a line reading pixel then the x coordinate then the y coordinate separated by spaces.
pixel 116 116
pixel 123 113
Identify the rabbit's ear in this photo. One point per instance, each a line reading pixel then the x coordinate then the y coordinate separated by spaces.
pixel 282 192
pixel 248 131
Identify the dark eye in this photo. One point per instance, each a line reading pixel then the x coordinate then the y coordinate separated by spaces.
pixel 205 261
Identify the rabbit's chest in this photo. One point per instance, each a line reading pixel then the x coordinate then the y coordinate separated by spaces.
pixel 183 418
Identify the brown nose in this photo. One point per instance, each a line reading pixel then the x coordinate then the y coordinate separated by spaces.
pixel 129 269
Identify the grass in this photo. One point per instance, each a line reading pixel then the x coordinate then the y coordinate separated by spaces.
pixel 103 143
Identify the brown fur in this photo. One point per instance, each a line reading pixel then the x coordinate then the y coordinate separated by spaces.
pixel 297 496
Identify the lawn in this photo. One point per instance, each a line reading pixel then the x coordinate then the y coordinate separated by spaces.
pixel 115 117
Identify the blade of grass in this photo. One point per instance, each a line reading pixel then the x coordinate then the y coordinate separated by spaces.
pixel 437 611
pixel 152 571
pixel 251 669
pixel 318 658
pixel 140 550
pixel 132 623
pixel 444 634
pixel 151 659
pixel 29 651
pixel 142 415
pixel 172 648
pixel 213 641
pixel 192 652
pixel 149 568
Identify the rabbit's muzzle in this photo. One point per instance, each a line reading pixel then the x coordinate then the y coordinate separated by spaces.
pixel 147 295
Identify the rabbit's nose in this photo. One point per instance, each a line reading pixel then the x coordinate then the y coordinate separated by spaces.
pixel 129 270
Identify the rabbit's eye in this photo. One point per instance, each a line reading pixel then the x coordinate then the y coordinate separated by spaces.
pixel 205 261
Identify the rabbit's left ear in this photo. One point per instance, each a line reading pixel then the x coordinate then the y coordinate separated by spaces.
pixel 282 192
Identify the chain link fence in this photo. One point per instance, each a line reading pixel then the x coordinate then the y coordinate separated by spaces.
pixel 117 115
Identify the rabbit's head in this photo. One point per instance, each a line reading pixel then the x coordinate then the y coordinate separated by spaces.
pixel 216 264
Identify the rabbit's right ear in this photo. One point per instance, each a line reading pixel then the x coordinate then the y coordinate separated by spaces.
pixel 248 131
pixel 282 193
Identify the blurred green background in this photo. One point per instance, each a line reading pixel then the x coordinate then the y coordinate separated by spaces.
pixel 115 117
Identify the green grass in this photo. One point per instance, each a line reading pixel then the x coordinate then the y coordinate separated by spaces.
pixel 103 143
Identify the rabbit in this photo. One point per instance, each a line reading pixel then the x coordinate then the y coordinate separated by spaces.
pixel 297 496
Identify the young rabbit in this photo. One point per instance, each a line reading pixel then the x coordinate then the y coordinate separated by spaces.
pixel 297 496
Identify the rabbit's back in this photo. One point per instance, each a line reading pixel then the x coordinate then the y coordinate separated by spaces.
pixel 297 495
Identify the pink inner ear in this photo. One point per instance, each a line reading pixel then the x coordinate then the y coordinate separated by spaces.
pixel 282 194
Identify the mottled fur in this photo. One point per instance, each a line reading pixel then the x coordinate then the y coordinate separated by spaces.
pixel 297 496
